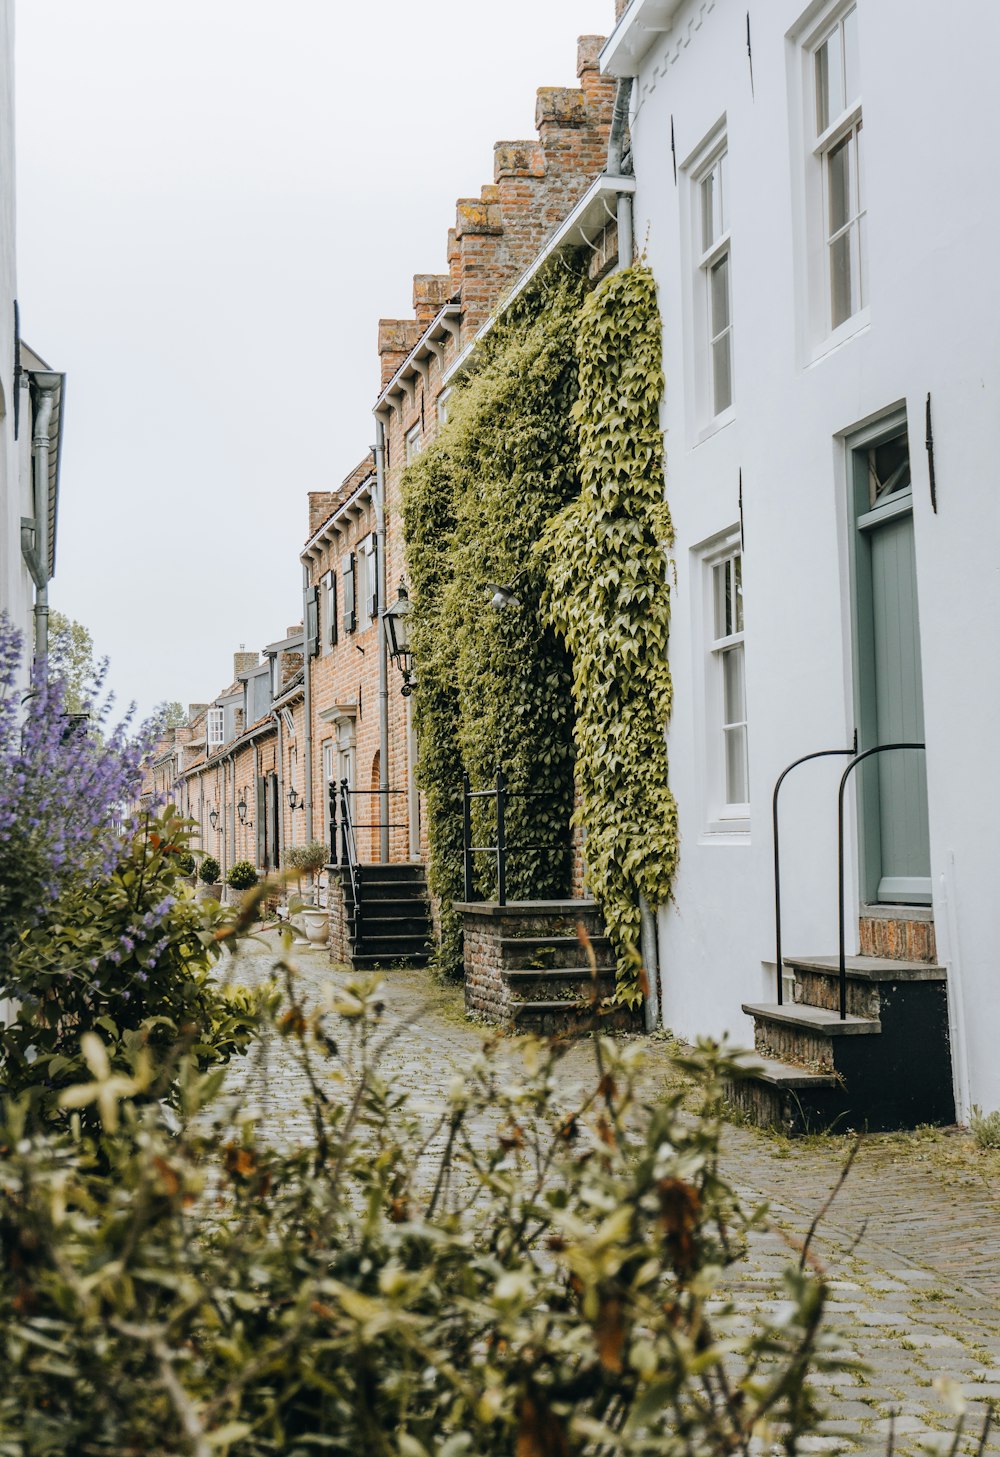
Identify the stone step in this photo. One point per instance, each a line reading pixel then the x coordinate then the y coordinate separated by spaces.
pixel 822 1020
pixel 542 952
pixel 373 924
pixel 529 985
pixel 551 1018
pixel 407 871
pixel 389 909
pixel 394 948
pixel 817 980
pixel 780 1095
pixel 373 961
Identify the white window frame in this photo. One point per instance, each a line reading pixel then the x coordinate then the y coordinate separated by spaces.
pixel 414 441
pixel 821 335
pixel 723 816
pixel 442 406
pixel 215 728
pixel 702 258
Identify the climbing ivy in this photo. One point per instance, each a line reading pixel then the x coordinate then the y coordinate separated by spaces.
pixel 549 475
pixel 608 598
pixel 495 688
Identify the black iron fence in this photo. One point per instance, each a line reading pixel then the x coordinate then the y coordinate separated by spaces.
pixel 501 849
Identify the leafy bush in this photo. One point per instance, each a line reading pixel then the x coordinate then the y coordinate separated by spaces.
pixel 307 859
pixel 60 790
pixel 128 955
pixel 185 862
pixel 985 1128
pixel 210 870
pixel 556 1278
pixel 242 876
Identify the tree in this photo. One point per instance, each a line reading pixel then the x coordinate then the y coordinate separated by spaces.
pixel 169 715
pixel 71 660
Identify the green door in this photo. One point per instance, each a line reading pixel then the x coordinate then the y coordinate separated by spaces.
pixel 893 799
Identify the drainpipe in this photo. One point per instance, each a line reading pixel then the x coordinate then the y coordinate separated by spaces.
pixel 232 807
pixel 46 384
pixel 650 961
pixel 281 778
pixel 307 680
pixel 616 143
pixel 383 649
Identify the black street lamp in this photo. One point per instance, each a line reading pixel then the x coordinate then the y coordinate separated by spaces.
pixel 213 818
pixel 293 798
pixel 398 629
pixel 241 809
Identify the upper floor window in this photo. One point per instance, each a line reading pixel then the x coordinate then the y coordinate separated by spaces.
pixel 329 610
pixel 215 722
pixel 838 147
pixel 714 268
pixel 414 443
pixel 728 690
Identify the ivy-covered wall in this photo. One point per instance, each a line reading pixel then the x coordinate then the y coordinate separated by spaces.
pixel 495 688
pixel 608 597
pixel 549 475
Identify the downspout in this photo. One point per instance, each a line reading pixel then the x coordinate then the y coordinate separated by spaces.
pixel 383 649
pixel 232 806
pixel 41 444
pixel 650 962
pixel 281 782
pixel 616 146
pixel 307 681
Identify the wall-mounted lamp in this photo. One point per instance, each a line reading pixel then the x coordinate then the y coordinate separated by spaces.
pixel 213 818
pixel 398 628
pixel 241 809
pixel 293 798
pixel 501 596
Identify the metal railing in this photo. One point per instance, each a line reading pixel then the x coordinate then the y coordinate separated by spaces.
pixel 501 849
pixel 879 749
pixel 856 759
pixel 805 759
pixel 344 837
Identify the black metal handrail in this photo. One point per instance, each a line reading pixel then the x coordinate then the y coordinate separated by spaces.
pixel 334 793
pixel 349 848
pixel 842 929
pixel 501 849
pixel 817 754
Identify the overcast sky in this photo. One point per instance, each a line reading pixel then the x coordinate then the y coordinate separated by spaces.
pixel 217 201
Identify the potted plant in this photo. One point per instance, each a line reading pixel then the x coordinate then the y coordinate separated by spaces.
pixel 242 876
pixel 308 860
pixel 185 863
pixel 209 872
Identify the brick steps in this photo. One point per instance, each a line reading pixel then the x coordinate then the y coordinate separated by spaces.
pixel 395 923
pixel 885 1066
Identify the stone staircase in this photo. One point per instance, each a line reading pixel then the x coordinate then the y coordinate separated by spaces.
pixel 885 1066
pixel 527 970
pixel 395 921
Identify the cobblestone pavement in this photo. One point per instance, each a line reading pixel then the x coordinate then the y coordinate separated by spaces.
pixel 911 1243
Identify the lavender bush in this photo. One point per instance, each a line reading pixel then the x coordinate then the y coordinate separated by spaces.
pixel 63 781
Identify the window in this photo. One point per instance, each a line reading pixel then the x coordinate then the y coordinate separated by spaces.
pixel 288 720
pixel 215 722
pixel 837 130
pixel 414 443
pixel 370 601
pixel 330 609
pixel 714 268
pixel 442 407
pixel 727 721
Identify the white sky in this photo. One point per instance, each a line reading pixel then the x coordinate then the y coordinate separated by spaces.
pixel 217 200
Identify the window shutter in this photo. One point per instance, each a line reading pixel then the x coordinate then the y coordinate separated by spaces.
pixel 312 621
pixel 373 576
pixel 331 608
pixel 260 820
pixel 350 604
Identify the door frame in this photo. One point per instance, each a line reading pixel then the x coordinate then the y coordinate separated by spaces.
pixel 867 807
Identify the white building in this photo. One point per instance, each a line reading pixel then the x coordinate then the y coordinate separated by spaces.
pixel 812 190
pixel 31 397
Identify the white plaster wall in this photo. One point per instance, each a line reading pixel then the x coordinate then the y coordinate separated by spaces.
pixel 16 592
pixel 935 303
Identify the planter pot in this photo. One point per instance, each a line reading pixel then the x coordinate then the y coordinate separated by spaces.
pixel 316 924
pixel 210 890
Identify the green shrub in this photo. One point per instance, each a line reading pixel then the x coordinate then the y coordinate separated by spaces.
pixel 209 870
pixel 307 859
pixel 985 1128
pixel 558 1276
pixel 242 876
pixel 128 956
pixel 185 862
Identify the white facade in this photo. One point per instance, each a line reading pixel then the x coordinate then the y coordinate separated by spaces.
pixel 817 352
pixel 16 589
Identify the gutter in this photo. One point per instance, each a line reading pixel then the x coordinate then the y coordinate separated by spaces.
pixel 46 384
pixel 307 682
pixel 383 648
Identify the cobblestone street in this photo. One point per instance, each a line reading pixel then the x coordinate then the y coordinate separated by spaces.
pixel 911 1243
